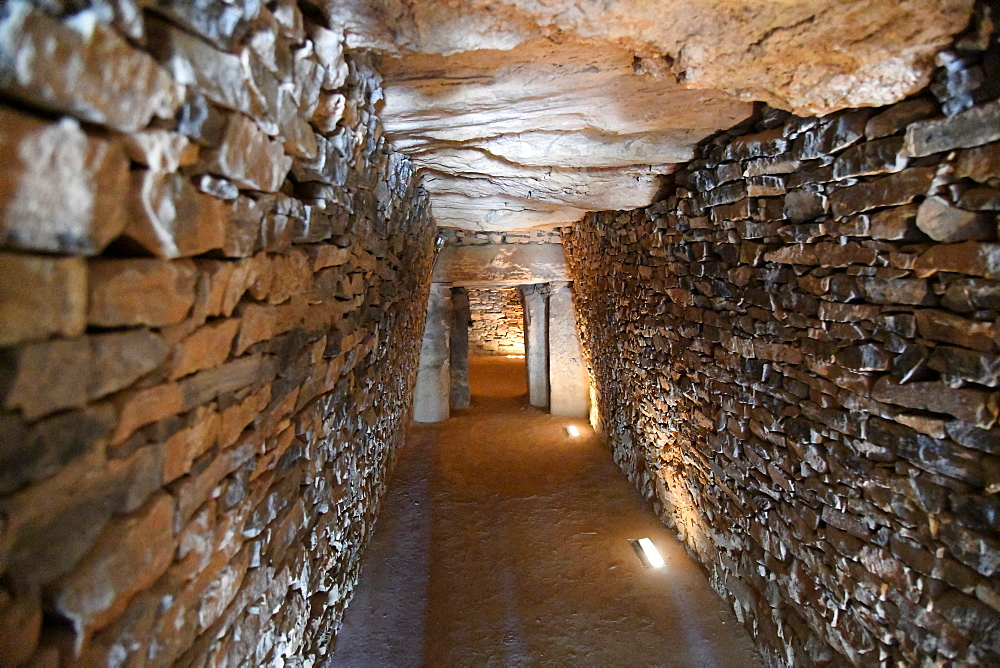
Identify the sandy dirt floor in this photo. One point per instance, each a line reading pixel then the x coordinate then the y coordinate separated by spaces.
pixel 505 542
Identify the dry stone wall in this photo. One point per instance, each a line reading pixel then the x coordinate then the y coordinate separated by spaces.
pixel 212 279
pixel 469 238
pixel 796 360
pixel 497 321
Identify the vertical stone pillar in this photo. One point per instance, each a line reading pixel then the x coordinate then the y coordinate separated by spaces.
pixel 536 342
pixel 569 386
pixel 460 317
pixel 431 396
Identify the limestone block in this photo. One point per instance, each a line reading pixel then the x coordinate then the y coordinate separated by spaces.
pixel 900 188
pixel 232 376
pixel 459 349
pixel 972 366
pixel 146 406
pixel 202 121
pixel 431 395
pixel 968 294
pixel 160 150
pixel 217 23
pixel 330 255
pixel 139 292
pixel 41 296
pixel 31 452
pixel 569 387
pixel 60 374
pixel 86 211
pixel 876 157
pixel 980 164
pixel 970 258
pixel 137 550
pixel 87 70
pixel 897 117
pixel 244 225
pixel 536 343
pixel 217 187
pixel 974 127
pixel 309 75
pixel 220 76
pixel 207 347
pixel 802 205
pixel 894 291
pixel 329 49
pixel 970 405
pixel 507 264
pixel 831 137
pixel 896 224
pixel 248 157
pixel 949 328
pixel 329 112
pixel 947 224
pixel 222 285
pixel 189 443
pixel 980 199
pixel 170 218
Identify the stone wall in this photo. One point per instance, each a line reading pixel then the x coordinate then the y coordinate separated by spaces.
pixel 497 321
pixel 796 360
pixel 455 237
pixel 212 285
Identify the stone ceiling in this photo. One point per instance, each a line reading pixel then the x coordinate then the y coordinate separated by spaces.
pixel 526 113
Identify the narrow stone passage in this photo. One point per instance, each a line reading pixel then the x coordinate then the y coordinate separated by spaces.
pixel 504 541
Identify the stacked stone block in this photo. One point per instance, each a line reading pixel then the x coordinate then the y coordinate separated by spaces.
pixel 456 237
pixel 212 278
pixel 796 360
pixel 497 321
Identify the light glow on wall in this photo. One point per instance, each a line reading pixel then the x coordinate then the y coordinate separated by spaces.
pixel 515 357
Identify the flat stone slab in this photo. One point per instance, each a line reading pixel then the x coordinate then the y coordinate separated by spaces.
pixel 502 264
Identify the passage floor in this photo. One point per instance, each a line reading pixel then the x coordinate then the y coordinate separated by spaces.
pixel 504 542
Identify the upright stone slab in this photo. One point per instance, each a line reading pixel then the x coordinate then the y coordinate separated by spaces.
pixel 536 342
pixel 460 349
pixel 569 390
pixel 431 397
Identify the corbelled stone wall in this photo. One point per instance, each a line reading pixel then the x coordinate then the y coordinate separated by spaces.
pixel 212 285
pixel 796 359
pixel 497 321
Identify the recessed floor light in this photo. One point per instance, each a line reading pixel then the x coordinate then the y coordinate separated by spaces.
pixel 572 431
pixel 647 553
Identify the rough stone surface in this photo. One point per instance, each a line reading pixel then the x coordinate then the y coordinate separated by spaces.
pixel 227 257
pixel 531 113
pixel 86 69
pixel 85 212
pixel 432 394
pixel 536 342
pixel 203 380
pixel 813 58
pixel 500 264
pixel 569 389
pixel 458 349
pixel 139 292
pixel 807 396
pixel 497 321
pixel 248 157
pixel 41 296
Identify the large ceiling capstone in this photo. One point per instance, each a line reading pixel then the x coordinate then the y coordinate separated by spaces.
pixel 528 113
